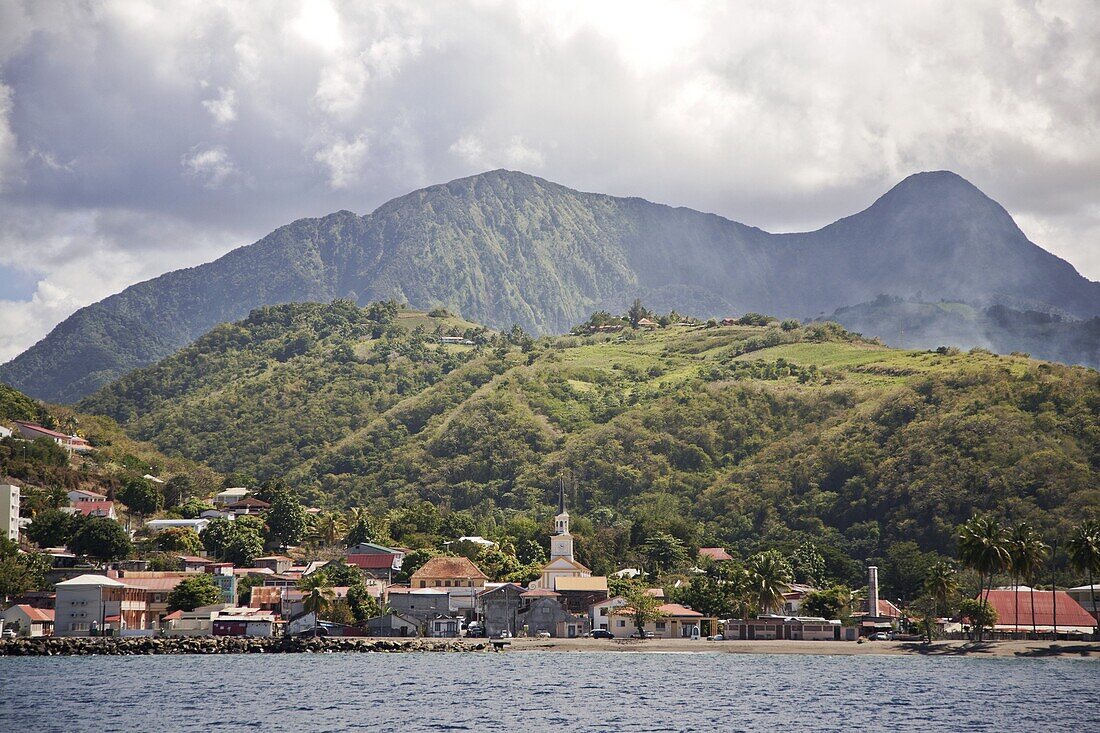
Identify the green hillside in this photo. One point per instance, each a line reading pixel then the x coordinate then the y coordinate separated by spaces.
pixel 504 247
pixel 733 435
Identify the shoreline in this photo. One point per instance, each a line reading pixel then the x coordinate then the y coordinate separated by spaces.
pixel 988 649
pixel 58 646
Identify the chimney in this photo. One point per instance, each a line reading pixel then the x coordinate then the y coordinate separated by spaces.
pixel 872 590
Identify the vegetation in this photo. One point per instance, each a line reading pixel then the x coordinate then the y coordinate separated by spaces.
pixel 101 539
pixel 191 593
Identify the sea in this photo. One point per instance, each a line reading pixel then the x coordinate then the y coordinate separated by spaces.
pixel 543 691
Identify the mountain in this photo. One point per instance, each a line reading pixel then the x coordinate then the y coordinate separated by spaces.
pixel 914 324
pixel 505 247
pixel 739 436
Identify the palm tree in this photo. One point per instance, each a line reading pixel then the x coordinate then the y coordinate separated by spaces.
pixel 983 546
pixel 318 596
pixel 769 579
pixel 329 529
pixel 941 584
pixel 1084 552
pixel 1028 553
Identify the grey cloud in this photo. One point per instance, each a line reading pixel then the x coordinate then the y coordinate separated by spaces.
pixel 140 137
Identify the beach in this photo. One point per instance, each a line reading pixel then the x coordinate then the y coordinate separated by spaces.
pixel 1025 649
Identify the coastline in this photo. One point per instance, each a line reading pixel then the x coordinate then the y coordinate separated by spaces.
pixel 991 649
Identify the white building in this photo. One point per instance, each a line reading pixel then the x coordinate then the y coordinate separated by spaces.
pixel 5 432
pixel 230 496
pixel 562 564
pixel 79 495
pixel 9 511
pixel 96 602
pixel 155 525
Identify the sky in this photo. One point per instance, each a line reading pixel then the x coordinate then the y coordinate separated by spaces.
pixel 140 137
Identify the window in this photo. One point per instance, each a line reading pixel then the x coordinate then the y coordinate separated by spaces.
pixel 660 625
pixel 603 611
pixel 622 623
pixel 423 584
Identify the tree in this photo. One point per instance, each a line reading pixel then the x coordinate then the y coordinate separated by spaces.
pixel 101 538
pixel 178 490
pixel 341 573
pixel 52 528
pixel 831 603
pixel 979 612
pixel 317 596
pixel 217 535
pixel 983 546
pixel 458 524
pixel 191 593
pixel 664 552
pixel 286 520
pixel 413 561
pixel 807 564
pixel 244 547
pixel 363 605
pixel 365 527
pixel 1029 554
pixel 193 507
pixel 140 496
pixel 642 608
pixel 20 572
pixel 769 579
pixel 177 539
pixel 238 542
pixel 328 530
pixel 940 585
pixel 1084 552
pixel 637 312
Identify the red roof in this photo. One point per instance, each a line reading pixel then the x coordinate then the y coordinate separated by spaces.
pixel 94 507
pixel 372 561
pixel 52 433
pixel 174 616
pixel 1070 612
pixel 539 593
pixel 248 503
pixel 156 584
pixel 675 609
pixel 718 554
pixel 449 567
pixel 36 614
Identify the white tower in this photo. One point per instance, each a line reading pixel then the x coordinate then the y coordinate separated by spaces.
pixel 872 590
pixel 561 544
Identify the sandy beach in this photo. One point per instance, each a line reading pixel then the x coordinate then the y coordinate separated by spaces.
pixel 1024 649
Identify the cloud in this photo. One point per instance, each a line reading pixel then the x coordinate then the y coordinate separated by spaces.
pixel 140 137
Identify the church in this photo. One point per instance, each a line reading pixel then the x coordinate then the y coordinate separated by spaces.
pixel 560 572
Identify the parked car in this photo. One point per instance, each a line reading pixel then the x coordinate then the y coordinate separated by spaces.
pixel 642 635
pixel 8 634
pixel 475 630
pixel 505 634
pixel 602 634
pixel 716 637
pixel 542 635
pixel 880 636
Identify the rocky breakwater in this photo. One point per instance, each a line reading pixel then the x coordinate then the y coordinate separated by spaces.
pixel 82 646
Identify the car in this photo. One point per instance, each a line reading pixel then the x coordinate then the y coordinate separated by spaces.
pixel 475 631
pixel 8 634
pixel 505 634
pixel 642 635
pixel 716 637
pixel 542 635
pixel 880 636
pixel 602 634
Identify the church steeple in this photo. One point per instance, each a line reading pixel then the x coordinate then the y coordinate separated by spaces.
pixel 561 522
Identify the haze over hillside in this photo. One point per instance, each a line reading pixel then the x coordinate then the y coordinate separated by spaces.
pixel 505 247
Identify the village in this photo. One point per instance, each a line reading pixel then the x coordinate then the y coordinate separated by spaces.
pixel 287 593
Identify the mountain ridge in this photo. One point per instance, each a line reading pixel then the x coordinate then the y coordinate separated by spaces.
pixel 505 247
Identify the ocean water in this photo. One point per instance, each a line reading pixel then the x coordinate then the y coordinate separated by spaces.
pixel 598 691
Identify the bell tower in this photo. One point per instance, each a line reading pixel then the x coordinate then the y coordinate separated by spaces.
pixel 561 544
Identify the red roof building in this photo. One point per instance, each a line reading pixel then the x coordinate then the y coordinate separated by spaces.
pixel 717 554
pixel 1071 615
pixel 95 509
pixel 32 431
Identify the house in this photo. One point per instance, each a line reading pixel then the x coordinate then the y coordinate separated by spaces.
pixel 91 604
pixel 376 564
pixel 156 586
pixel 105 509
pixel 543 610
pixel 580 594
pixel 29 621
pixel 193 563
pixel 32 431
pixel 728 322
pixel 199 622
pixel 447 627
pixel 1088 596
pixel 1071 618
pixel 674 622
pixel 230 496
pixel 456 340
pixel 243 622
pixel 248 505
pixel 4 432
pixel 715 554
pixel 9 512
pixel 277 563
pixel 456 576
pixel 78 495
pixel 795 595
pixel 498 608
pixel 647 323
pixel 156 525
pixel 371 548
pixel 600 613
pixel 392 624
pixel 474 539
pixel 266 598
pixel 419 604
pixel 806 628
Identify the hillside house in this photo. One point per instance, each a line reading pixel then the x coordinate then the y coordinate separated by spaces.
pixel 32 431
pixel 104 509
pixel 78 495
pixel 230 496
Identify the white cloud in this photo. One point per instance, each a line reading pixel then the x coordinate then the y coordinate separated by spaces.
pixel 219 121
pixel 344 160
pixel 211 165
pixel 222 108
